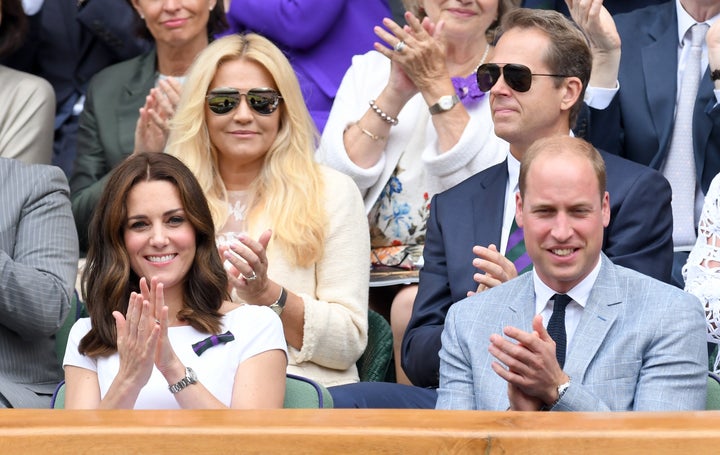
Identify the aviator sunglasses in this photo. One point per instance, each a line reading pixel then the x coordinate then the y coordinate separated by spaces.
pixel 264 101
pixel 517 77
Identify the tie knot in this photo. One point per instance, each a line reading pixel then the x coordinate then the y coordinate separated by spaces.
pixel 560 301
pixel 697 34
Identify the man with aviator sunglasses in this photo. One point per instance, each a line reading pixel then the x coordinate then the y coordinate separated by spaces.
pixel 542 64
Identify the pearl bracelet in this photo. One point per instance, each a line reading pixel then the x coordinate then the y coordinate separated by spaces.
pixel 391 120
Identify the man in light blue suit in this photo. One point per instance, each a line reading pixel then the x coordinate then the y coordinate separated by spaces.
pixel 626 341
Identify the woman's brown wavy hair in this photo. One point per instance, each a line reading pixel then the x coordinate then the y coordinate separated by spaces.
pixel 108 278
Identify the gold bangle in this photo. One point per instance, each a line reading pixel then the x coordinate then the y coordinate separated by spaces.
pixel 372 136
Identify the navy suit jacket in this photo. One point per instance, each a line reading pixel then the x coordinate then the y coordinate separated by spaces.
pixel 639 237
pixel 638 123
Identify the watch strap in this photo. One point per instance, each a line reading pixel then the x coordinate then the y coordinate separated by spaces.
pixel 437 108
pixel 561 389
pixel 279 305
pixel 190 378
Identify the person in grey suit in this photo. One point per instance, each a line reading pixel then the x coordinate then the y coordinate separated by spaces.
pixel 624 341
pixel 38 260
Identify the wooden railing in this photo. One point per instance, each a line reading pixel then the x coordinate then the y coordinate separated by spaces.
pixel 341 431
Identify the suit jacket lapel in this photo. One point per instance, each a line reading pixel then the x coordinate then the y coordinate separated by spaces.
pixel 660 72
pixel 520 304
pixel 702 122
pixel 489 205
pixel 603 306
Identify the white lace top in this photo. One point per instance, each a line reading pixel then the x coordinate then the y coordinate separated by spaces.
pixel 702 271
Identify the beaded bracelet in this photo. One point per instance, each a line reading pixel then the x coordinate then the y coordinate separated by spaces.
pixel 391 120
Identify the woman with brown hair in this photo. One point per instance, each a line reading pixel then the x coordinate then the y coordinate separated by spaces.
pixel 162 333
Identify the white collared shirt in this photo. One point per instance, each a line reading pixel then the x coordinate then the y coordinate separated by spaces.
pixel 579 295
pixel 510 189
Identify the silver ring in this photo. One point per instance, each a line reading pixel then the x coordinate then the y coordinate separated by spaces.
pixel 399 46
pixel 252 277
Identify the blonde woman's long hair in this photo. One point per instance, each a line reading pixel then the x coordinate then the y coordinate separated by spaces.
pixel 289 190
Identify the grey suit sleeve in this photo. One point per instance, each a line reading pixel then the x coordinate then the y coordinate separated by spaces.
pixel 456 377
pixel 37 276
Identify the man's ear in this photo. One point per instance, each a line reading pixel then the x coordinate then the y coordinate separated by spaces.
pixel 606 209
pixel 573 87
pixel 518 209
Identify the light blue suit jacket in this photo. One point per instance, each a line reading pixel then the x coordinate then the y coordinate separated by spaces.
pixel 640 345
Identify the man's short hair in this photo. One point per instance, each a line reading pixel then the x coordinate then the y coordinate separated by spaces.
pixel 558 145
pixel 569 51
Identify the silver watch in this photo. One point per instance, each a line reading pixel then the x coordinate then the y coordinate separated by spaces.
pixel 190 378
pixel 444 104
pixel 561 389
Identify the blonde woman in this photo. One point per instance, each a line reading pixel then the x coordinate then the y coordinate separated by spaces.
pixel 298 232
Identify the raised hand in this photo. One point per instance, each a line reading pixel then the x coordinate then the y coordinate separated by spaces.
pixel 599 26
pixel 713 44
pixel 152 128
pixel 422 57
pixel 496 268
pixel 164 356
pixel 528 364
pixel 137 339
pixel 247 265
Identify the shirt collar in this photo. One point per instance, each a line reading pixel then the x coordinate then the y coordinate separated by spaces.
pixel 580 293
pixel 513 171
pixel 685 21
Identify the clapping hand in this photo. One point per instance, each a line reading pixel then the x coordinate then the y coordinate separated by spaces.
pixel 496 267
pixel 417 63
pixel 137 339
pixel 152 128
pixel 247 272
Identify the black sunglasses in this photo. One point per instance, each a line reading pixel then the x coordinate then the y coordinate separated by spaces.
pixel 517 77
pixel 264 101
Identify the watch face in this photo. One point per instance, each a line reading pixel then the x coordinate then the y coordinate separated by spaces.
pixel 446 102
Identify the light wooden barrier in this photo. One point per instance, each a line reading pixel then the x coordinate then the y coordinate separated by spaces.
pixel 316 431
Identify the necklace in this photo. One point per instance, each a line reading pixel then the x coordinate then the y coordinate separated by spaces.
pixel 484 56
pixel 466 87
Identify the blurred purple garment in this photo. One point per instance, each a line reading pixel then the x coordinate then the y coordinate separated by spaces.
pixel 319 37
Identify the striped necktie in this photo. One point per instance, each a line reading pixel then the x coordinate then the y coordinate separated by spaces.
pixel 515 250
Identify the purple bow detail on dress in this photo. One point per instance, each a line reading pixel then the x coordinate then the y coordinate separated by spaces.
pixel 212 340
pixel 467 89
